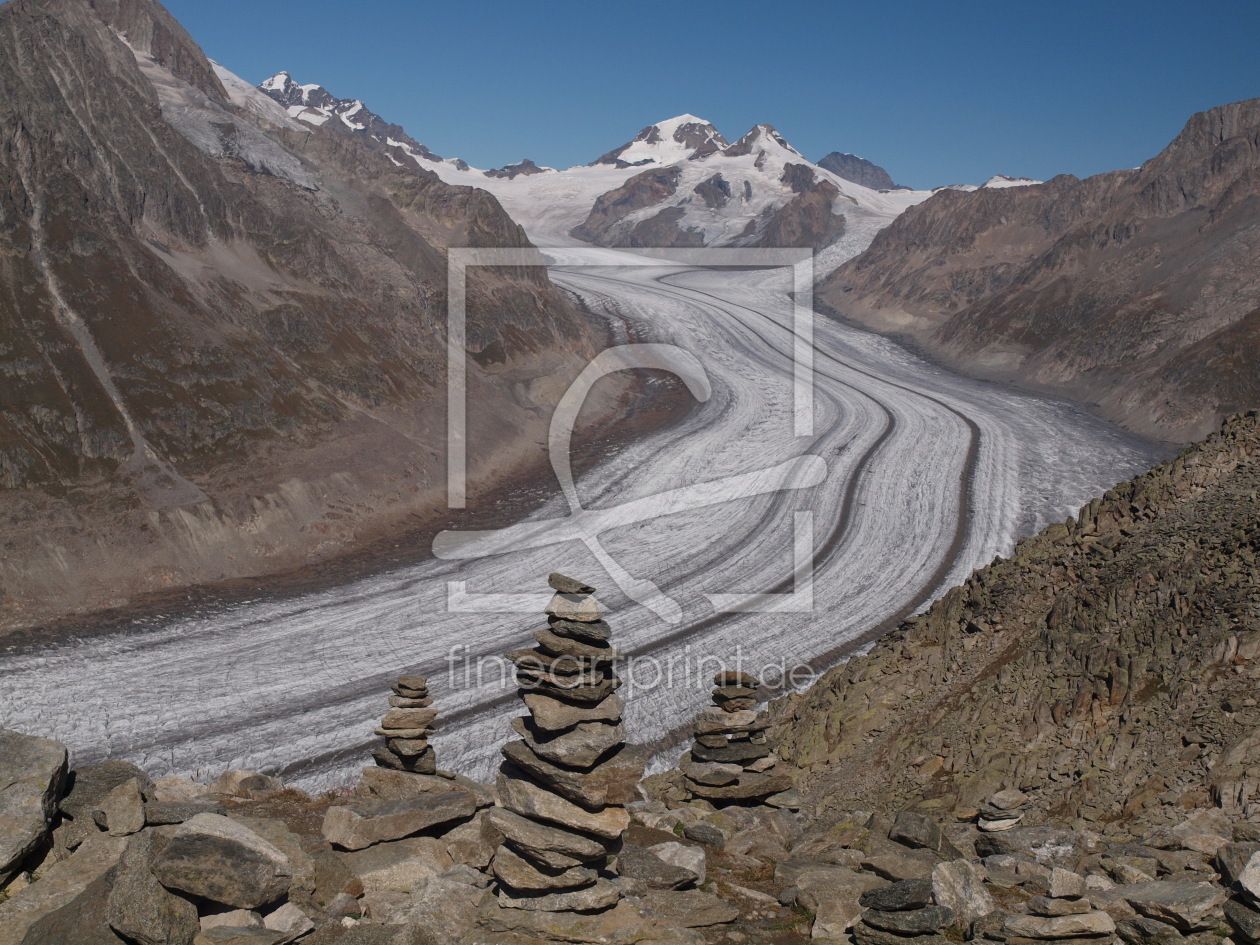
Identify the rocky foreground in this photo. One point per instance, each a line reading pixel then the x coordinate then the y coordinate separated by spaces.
pixel 1066 749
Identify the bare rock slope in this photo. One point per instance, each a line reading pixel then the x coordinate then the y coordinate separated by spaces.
pixel 1137 290
pixel 1108 668
pixel 222 331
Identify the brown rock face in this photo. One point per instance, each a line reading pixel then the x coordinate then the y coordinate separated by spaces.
pixel 642 190
pixel 1138 290
pixel 1108 668
pixel 859 170
pixel 222 330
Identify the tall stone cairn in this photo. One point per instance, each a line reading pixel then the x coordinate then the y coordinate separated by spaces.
pixel 406 728
pixel 564 784
pixel 732 760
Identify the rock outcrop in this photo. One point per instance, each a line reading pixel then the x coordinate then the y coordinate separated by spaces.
pixel 1108 670
pixel 858 170
pixel 1135 290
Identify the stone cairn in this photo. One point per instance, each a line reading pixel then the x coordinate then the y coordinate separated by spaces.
pixel 732 759
pixel 565 783
pixel 406 728
pixel 1003 810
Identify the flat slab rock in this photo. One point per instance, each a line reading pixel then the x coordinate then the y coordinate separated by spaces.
pixel 522 796
pixel 1183 903
pixel 546 844
pixel 32 772
pixel 614 780
pixel 688 909
pixel 601 895
pixel 360 824
pixel 556 715
pixel 1060 926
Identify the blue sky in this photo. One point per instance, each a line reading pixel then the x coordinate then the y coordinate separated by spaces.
pixel 935 92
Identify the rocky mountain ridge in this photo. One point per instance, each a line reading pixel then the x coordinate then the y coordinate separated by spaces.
pixel 1108 668
pixel 858 170
pixel 195 368
pixel 698 190
pixel 1135 291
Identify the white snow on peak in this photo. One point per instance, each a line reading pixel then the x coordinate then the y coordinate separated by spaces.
pixel 666 148
pixel 277 82
pixel 671 125
pixel 1001 180
pixel 244 95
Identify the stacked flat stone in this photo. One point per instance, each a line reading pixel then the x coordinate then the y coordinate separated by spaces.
pixel 406 728
pixel 1002 811
pixel 565 783
pixel 732 759
pixel 1064 914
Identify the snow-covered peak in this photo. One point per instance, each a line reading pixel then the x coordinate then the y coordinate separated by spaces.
pixel 768 148
pixel 681 138
pixel 277 83
pixel 315 105
pixel 1001 180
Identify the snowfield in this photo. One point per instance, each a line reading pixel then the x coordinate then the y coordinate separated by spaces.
pixel 927 476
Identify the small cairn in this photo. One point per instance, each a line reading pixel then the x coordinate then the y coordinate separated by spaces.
pixel 1003 810
pixel 1065 913
pixel 406 728
pixel 732 759
pixel 565 783
pixel 902 912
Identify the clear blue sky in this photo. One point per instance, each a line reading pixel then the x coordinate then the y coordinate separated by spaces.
pixel 936 92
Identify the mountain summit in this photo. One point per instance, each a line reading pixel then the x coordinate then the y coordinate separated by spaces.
pixel 685 137
pixel 858 170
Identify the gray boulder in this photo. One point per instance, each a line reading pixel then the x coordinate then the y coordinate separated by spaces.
pixel 1061 926
pixel 142 910
pixel 223 861
pixel 121 812
pixel 640 863
pixel 907 894
pixel 1143 931
pixel 358 825
pixel 1249 878
pixel 1182 903
pixel 916 831
pixel 959 886
pixel 32 773
pixel 1244 918
pixel 80 922
pixel 910 921
pixel 685 857
pixel 64 882
pixel 1232 859
pixel 89 784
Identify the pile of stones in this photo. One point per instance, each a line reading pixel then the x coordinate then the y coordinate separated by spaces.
pixel 902 912
pixel 1003 810
pixel 565 783
pixel 406 728
pixel 1064 913
pixel 732 759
